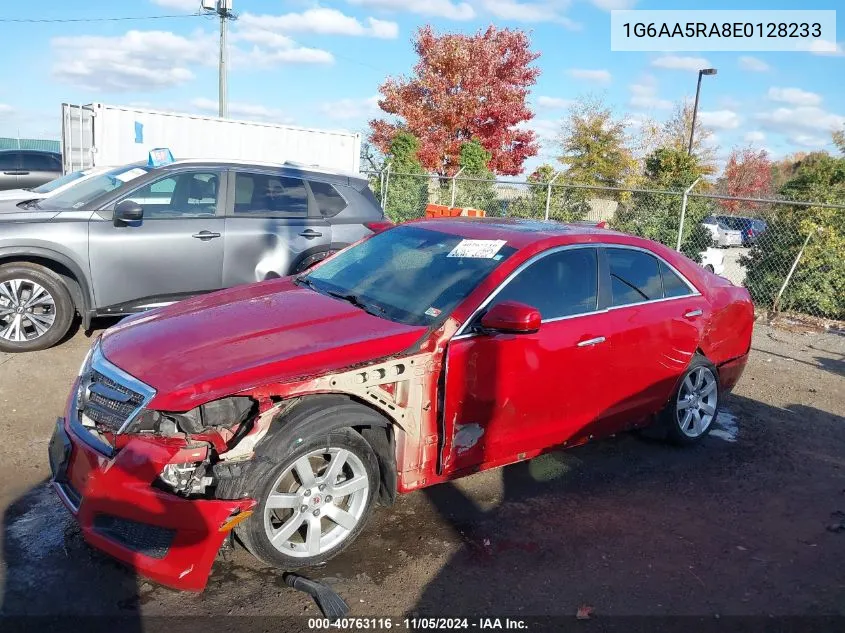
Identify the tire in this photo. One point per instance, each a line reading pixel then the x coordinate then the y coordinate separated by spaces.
pixel 48 318
pixel 710 268
pixel 341 518
pixel 691 398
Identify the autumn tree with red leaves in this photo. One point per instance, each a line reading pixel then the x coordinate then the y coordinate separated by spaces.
pixel 464 87
pixel 748 174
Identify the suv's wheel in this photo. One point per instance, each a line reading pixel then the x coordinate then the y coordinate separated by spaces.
pixel 693 408
pixel 36 309
pixel 314 501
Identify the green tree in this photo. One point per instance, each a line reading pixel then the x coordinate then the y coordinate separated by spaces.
pixel 593 146
pixel 817 286
pixel 407 182
pixel 656 214
pixel 475 187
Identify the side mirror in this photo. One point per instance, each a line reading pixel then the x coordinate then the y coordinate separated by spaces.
pixel 512 317
pixel 128 211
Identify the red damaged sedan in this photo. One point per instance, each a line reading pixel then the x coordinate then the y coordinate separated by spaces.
pixel 285 410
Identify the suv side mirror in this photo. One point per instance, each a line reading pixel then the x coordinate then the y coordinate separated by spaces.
pixel 512 317
pixel 128 211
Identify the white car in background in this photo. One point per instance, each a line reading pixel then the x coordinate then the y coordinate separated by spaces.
pixel 723 235
pixel 713 260
pixel 52 188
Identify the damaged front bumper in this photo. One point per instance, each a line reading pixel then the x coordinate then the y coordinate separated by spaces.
pixel 164 537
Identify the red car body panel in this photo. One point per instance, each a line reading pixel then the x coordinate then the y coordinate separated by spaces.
pixel 212 346
pixel 121 486
pixel 501 403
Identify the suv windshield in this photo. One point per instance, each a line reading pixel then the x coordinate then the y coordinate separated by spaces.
pixel 84 192
pixel 47 187
pixel 409 274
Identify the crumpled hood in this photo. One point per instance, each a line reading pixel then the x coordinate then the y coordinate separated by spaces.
pixel 215 345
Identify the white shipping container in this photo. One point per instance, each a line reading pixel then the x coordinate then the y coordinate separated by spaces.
pixel 97 135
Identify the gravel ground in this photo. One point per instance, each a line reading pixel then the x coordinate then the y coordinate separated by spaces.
pixel 746 523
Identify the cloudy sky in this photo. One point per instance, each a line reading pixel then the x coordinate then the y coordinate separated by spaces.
pixel 319 64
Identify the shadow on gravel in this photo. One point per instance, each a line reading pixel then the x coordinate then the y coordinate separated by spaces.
pixel 737 524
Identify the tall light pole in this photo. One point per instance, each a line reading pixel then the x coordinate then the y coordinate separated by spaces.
pixel 703 71
pixel 222 8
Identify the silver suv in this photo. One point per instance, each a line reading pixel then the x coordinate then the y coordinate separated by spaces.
pixel 138 237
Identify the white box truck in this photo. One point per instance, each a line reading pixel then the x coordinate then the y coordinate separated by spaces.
pixel 98 135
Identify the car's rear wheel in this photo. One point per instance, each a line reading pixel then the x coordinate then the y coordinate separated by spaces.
pixel 314 502
pixel 36 309
pixel 710 268
pixel 692 410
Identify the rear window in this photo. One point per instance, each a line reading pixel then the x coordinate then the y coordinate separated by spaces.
pixel 329 201
pixel 634 276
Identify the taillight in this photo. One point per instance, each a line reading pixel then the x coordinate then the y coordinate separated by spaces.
pixel 378 227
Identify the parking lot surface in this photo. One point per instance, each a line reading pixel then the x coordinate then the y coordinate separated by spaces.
pixel 749 522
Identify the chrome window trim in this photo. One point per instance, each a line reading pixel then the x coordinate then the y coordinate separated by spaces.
pixel 461 333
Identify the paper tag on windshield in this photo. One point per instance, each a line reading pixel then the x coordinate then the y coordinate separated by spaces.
pixel 131 174
pixel 483 249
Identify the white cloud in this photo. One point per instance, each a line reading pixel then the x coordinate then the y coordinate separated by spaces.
pixel 720 119
pixel 133 62
pixel 553 103
pixel 548 11
pixel 821 47
pixel 810 140
pixel 350 109
pixel 436 8
pixel 644 95
pixel 547 130
pixel 755 137
pixel 794 96
pixel 753 64
pixel 800 120
pixel 6 109
pixel 270 49
pixel 320 21
pixel 252 111
pixel 599 76
pixel 182 5
pixel 678 62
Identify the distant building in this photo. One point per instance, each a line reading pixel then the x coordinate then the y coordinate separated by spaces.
pixel 30 143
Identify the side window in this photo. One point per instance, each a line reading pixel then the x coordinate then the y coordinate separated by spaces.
pixel 185 195
pixel 270 195
pixel 558 285
pixel 673 286
pixel 9 161
pixel 34 161
pixel 634 276
pixel 329 201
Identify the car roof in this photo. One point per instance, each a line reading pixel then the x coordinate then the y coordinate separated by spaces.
pixel 521 232
pixel 288 166
pixel 31 151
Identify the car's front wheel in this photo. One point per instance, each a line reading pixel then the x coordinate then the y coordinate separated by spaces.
pixel 36 309
pixel 692 410
pixel 314 501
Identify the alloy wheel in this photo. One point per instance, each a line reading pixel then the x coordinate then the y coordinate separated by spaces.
pixel 697 401
pixel 27 310
pixel 316 502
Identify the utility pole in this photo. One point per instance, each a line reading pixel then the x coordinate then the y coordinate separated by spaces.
pixel 222 8
pixel 703 71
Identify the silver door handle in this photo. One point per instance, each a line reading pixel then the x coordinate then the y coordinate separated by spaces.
pixel 592 341
pixel 693 313
pixel 205 235
pixel 311 233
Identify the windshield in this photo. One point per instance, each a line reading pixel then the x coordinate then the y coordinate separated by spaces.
pixel 47 187
pixel 83 192
pixel 409 274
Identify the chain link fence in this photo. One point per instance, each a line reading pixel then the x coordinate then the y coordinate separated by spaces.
pixel 790 254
